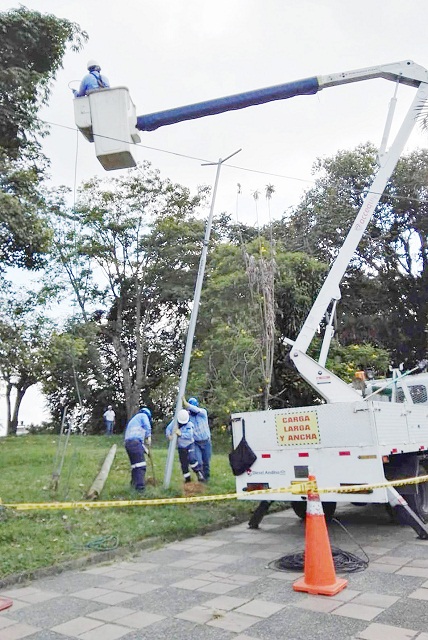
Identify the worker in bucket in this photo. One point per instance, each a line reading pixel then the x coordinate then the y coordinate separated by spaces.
pixel 92 81
pixel 185 445
pixel 137 432
pixel 201 433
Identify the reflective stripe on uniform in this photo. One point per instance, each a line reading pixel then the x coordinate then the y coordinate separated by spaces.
pixel 138 464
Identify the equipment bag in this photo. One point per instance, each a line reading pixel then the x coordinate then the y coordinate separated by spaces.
pixel 242 457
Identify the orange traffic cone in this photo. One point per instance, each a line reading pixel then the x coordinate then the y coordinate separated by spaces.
pixel 5 603
pixel 320 575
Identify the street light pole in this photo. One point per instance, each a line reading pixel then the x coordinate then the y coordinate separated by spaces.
pixel 192 323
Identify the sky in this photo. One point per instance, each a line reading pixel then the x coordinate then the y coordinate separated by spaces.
pixel 171 53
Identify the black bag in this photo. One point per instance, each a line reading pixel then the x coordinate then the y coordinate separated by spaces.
pixel 241 458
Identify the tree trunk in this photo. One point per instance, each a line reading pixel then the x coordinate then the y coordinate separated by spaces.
pixel 9 388
pixel 12 425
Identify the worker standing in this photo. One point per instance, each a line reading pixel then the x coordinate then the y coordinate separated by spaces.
pixel 138 431
pixel 92 81
pixel 201 433
pixel 185 445
pixel 109 419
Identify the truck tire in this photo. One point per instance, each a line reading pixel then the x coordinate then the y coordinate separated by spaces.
pixel 299 509
pixel 418 501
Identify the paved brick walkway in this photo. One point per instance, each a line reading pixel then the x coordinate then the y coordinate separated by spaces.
pixel 220 586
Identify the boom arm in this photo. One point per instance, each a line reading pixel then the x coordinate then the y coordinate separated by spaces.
pixel 329 386
pixel 406 72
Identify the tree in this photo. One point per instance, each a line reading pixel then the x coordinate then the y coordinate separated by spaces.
pixel 143 243
pixel 33 46
pixel 228 367
pixel 384 292
pixel 24 333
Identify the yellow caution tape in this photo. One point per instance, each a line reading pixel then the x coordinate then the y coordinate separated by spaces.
pixel 300 488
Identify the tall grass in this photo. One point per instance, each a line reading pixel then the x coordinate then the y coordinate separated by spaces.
pixel 34 539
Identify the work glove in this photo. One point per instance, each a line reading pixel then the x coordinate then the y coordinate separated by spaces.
pixel 149 441
pixel 186 405
pixel 178 432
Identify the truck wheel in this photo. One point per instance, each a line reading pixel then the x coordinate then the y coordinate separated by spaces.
pixel 299 509
pixel 418 501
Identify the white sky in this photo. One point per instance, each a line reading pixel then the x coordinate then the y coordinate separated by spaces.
pixel 176 52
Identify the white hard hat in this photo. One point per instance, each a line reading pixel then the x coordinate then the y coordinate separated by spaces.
pixel 183 416
pixel 92 63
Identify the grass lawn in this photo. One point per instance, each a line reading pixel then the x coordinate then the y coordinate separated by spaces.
pixel 34 539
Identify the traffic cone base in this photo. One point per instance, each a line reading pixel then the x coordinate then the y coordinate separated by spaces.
pixel 5 603
pixel 331 590
pixel 320 575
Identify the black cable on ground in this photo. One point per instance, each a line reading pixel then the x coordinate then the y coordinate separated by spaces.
pixel 102 543
pixel 344 561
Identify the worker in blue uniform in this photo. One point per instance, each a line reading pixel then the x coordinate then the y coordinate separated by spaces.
pixel 138 431
pixel 92 81
pixel 201 433
pixel 185 445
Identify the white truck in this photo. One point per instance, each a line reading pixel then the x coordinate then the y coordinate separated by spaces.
pixel 348 439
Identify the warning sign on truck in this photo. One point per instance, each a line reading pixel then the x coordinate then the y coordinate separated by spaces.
pixel 297 428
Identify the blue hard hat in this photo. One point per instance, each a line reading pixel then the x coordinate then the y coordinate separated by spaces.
pixel 194 401
pixel 146 410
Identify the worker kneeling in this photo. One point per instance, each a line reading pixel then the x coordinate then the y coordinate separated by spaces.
pixel 185 445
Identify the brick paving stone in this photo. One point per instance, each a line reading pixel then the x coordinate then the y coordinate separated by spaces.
pixel 19 604
pixel 345 595
pixel 232 621
pixel 110 614
pixel 358 611
pixel 190 584
pixel 419 594
pixel 408 613
pixel 413 571
pixel 418 562
pixel 6 622
pixel 377 631
pixel 18 631
pixel 422 636
pixel 138 566
pixel 395 560
pixel 114 597
pixel 243 636
pixel 90 594
pixel 377 550
pixel 120 574
pixel 323 605
pixel 375 600
pixel 199 614
pixel 185 563
pixel 425 585
pixel 19 593
pixel 260 608
pixel 226 603
pixel 77 626
pixel 139 619
pixel 218 587
pixel 106 632
pixel 129 586
pixel 384 568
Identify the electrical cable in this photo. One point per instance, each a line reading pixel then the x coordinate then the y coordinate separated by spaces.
pixel 344 561
pixel 101 543
pixel 231 166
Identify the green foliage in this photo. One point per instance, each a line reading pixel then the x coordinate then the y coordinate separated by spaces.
pixel 24 334
pixel 384 291
pixel 33 46
pixel 344 361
